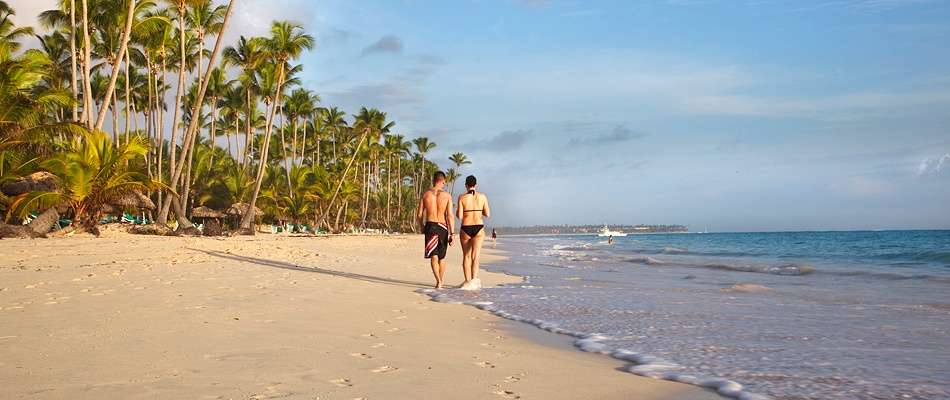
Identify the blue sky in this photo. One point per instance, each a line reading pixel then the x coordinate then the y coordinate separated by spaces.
pixel 720 115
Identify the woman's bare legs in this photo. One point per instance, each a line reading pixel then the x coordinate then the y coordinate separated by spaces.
pixel 467 243
pixel 475 249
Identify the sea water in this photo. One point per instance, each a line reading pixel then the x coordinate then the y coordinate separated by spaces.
pixel 790 315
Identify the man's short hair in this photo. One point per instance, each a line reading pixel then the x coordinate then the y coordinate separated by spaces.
pixel 438 176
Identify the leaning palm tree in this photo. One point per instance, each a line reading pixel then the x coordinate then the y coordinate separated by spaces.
pixel 286 43
pixel 191 131
pixel 459 159
pixel 94 172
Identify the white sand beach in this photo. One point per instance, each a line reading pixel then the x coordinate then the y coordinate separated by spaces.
pixel 272 316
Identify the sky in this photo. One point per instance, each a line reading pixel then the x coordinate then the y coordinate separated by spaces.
pixel 760 115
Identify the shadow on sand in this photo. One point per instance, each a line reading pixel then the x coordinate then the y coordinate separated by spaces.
pixel 284 265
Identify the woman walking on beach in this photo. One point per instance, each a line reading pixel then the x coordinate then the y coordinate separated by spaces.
pixel 472 206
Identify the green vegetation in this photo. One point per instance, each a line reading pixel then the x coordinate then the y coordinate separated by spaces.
pixel 194 122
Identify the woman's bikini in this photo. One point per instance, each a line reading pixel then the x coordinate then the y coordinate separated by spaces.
pixel 472 230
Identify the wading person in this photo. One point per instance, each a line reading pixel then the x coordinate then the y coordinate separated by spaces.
pixel 435 215
pixel 472 207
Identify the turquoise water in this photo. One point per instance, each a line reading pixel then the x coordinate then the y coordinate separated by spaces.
pixel 789 315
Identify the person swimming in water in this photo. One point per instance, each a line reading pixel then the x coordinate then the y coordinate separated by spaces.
pixel 472 206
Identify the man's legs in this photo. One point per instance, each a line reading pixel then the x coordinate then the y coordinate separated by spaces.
pixel 438 269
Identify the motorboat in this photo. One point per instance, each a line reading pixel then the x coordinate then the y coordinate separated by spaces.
pixel 607 232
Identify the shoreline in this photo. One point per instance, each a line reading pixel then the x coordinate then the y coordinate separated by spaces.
pixel 127 316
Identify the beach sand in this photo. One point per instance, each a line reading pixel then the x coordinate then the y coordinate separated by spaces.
pixel 272 316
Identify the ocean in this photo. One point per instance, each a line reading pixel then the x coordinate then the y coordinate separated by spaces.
pixel 785 315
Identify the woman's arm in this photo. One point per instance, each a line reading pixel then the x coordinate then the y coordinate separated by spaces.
pixel 459 212
pixel 485 210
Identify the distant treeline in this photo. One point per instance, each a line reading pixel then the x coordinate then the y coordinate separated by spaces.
pixel 588 229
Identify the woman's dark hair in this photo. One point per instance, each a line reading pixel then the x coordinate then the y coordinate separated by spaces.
pixel 470 181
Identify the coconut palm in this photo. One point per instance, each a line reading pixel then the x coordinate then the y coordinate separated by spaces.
pixel 9 33
pixel 94 172
pixel 423 146
pixel 23 109
pixel 459 159
pixel 335 121
pixel 286 43
pixel 248 54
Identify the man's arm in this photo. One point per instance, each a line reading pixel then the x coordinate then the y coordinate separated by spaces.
pixel 449 220
pixel 420 213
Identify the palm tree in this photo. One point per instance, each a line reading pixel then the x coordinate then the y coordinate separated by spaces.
pixel 23 110
pixel 218 85
pixel 249 54
pixel 459 159
pixel 9 33
pixel 301 104
pixel 231 102
pixel 423 146
pixel 286 43
pixel 93 172
pixel 123 47
pixel 191 132
pixel 334 120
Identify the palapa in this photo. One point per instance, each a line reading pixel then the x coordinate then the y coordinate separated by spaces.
pixel 135 199
pixel 241 208
pixel 37 181
pixel 205 212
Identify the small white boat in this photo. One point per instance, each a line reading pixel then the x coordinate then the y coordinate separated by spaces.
pixel 607 232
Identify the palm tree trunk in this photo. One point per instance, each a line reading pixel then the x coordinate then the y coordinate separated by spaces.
pixel 345 171
pixel 44 222
pixel 283 149
pixel 115 70
pixel 128 97
pixel 72 50
pixel 87 74
pixel 172 154
pixel 190 133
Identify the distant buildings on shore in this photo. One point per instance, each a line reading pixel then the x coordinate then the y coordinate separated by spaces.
pixel 588 229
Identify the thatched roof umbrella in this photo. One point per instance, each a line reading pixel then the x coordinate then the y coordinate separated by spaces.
pixel 40 180
pixel 135 199
pixel 205 212
pixel 240 208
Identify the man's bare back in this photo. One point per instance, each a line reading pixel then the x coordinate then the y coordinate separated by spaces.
pixel 437 205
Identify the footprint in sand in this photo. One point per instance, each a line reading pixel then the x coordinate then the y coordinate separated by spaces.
pixel 485 365
pixel 385 368
pixel 341 382
pixel 361 355
pixel 369 335
pixel 512 379
pixel 395 330
pixel 378 345
pixel 507 394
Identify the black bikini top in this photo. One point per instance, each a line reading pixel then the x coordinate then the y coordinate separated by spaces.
pixel 472 192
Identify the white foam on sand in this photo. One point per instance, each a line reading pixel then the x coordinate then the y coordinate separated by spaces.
pixel 473 284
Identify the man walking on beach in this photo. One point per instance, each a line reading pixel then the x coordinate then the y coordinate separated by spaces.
pixel 435 210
